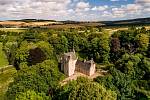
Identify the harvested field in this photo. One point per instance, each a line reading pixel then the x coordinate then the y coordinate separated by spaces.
pixel 21 23
pixel 65 26
pixel 13 29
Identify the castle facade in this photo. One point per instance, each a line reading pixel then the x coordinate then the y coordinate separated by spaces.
pixel 70 64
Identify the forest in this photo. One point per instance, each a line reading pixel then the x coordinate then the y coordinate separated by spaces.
pixel 35 54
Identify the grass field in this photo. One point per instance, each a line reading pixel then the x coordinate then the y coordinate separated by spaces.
pixel 13 29
pixel 5 78
pixel 3 59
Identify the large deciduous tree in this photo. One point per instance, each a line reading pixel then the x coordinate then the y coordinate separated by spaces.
pixel 43 77
pixel 84 89
pixel 32 95
pixel 143 42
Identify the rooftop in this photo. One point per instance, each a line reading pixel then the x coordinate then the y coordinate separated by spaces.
pixel 85 65
pixel 71 54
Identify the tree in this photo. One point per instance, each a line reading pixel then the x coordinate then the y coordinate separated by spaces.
pixel 22 52
pixel 25 53
pixel 95 49
pixel 115 44
pixel 84 89
pixel 127 41
pixel 115 47
pixel 10 50
pixel 142 89
pixel 41 78
pixel 36 55
pixel 32 95
pixel 143 30
pixel 73 40
pixel 118 82
pixel 60 44
pixel 104 47
pixel 145 66
pixel 143 42
pixel 129 64
pixel 100 48
pixel 47 49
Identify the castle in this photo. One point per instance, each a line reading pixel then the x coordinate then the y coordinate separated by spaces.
pixel 70 64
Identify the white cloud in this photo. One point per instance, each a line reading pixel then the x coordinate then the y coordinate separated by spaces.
pixel 133 8
pixel 118 12
pixel 82 6
pixel 100 8
pixel 107 14
pixel 114 0
pixel 142 1
pixel 34 8
pixel 71 9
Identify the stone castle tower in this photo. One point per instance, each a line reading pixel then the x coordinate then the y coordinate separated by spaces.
pixel 70 64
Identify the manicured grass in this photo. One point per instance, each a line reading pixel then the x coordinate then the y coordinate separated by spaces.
pixel 3 59
pixel 6 77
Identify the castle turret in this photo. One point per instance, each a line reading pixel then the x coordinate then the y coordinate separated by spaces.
pixel 68 63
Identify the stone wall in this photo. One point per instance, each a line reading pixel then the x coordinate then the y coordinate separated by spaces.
pixel 70 64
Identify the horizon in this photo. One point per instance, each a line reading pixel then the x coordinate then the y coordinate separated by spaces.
pixel 76 20
pixel 74 10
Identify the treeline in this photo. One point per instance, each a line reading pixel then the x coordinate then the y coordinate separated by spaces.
pixel 36 52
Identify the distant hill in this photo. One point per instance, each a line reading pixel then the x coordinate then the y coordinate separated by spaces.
pixel 138 21
pixel 51 23
pixel 28 23
pixel 33 20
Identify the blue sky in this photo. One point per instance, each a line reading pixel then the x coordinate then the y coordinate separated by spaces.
pixel 80 10
pixel 109 2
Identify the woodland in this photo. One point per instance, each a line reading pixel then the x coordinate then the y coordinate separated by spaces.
pixel 35 55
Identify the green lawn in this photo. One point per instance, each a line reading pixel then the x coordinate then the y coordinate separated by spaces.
pixel 3 59
pixel 5 78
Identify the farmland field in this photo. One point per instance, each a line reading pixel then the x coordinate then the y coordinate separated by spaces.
pixel 3 59
pixel 13 29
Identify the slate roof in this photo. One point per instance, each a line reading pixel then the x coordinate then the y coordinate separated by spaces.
pixel 84 65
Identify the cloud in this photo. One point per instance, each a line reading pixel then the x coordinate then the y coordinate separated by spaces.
pixel 142 1
pixel 34 8
pixel 118 12
pixel 6 2
pixel 114 0
pixel 100 8
pixel 107 14
pixel 126 10
pixel 72 9
pixel 133 8
pixel 82 6
pixel 145 5
pixel 117 0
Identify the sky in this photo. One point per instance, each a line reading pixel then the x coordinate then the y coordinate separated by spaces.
pixel 77 10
